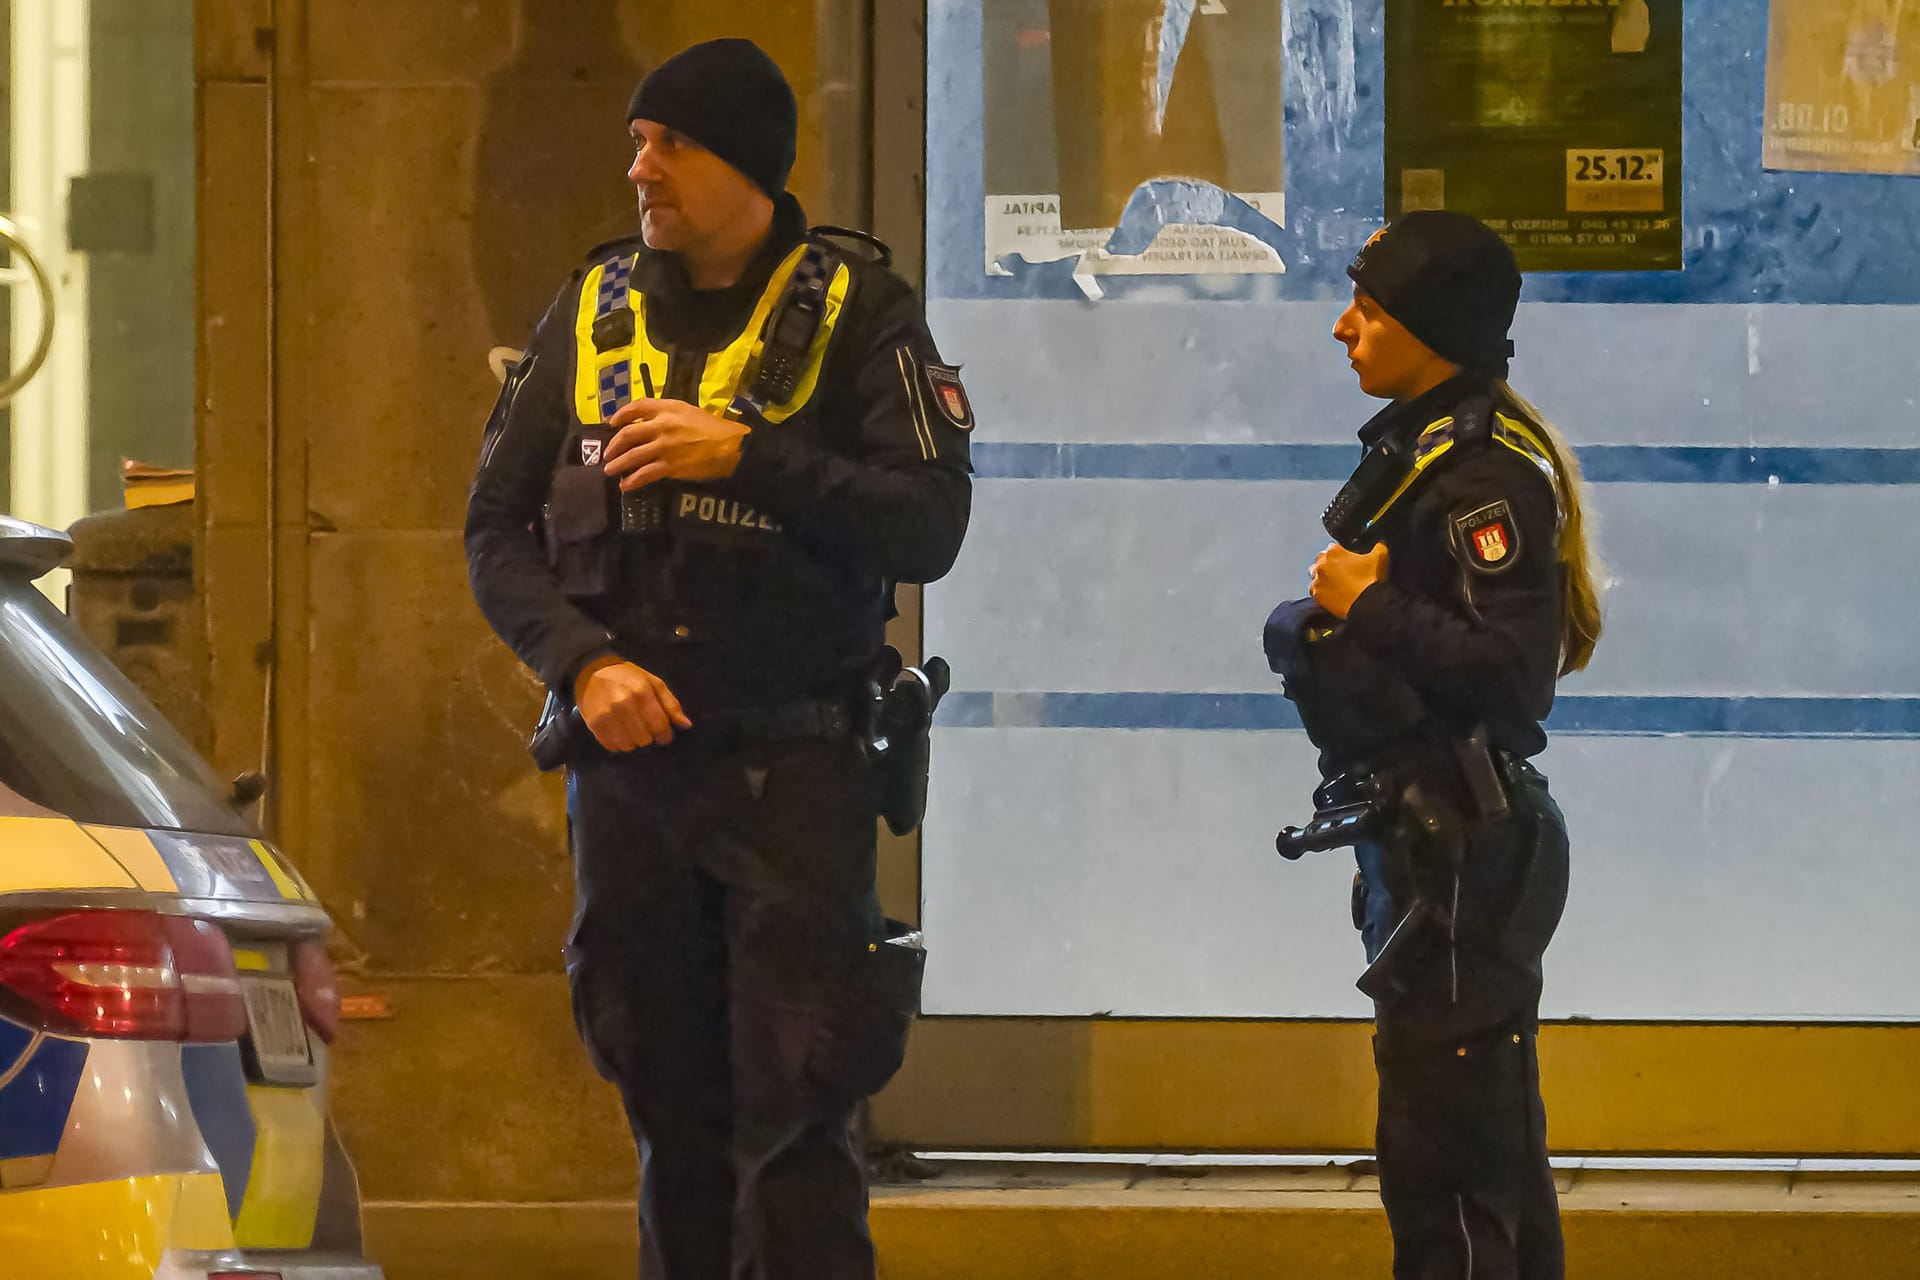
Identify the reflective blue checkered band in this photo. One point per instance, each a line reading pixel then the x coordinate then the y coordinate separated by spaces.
pixel 616 387
pixel 1433 437
pixel 616 379
pixel 811 273
pixel 613 285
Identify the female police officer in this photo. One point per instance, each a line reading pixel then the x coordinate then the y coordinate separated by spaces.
pixel 1459 588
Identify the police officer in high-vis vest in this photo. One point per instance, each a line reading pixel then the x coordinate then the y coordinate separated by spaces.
pixel 726 442
pixel 1458 589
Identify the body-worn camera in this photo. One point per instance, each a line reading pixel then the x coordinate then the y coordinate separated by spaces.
pixel 1349 519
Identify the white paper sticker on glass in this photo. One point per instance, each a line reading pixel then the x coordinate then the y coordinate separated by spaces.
pixel 1843 86
pixel 1162 114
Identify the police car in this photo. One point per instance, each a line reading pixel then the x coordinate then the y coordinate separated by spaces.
pixel 166 1002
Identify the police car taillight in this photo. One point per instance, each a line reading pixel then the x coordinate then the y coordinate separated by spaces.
pixel 130 975
pixel 319 991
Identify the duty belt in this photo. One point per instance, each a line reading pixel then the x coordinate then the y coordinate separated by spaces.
pixel 1393 769
pixel 561 739
pixel 793 722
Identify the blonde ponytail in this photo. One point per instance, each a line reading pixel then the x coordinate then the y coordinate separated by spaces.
pixel 1580 628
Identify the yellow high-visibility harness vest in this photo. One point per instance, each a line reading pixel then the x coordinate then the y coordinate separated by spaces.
pixel 604 380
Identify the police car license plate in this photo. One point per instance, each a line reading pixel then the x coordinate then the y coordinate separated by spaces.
pixel 276 1049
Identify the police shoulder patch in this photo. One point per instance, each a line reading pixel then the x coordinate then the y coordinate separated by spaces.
pixel 1487 538
pixel 949 397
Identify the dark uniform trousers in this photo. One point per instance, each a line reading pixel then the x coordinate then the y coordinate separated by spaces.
pixel 718 891
pixel 1461 1136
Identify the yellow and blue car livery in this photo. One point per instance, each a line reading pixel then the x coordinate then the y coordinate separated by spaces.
pixel 165 1002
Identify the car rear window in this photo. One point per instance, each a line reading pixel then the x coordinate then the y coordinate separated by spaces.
pixel 79 738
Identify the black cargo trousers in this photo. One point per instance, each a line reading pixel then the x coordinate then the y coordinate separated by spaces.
pixel 1461 1137
pixel 720 895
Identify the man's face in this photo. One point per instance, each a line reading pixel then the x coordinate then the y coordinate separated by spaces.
pixel 1390 361
pixel 686 192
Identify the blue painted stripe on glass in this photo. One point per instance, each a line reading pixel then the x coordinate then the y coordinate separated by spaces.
pixel 966 710
pixel 1164 461
pixel 1740 717
pixel 1598 715
pixel 1603 464
pixel 1637 464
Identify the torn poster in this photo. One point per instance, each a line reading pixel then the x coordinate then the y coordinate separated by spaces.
pixel 1559 126
pixel 1843 86
pixel 1141 137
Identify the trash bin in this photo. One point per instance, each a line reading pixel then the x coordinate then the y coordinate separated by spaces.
pixel 133 595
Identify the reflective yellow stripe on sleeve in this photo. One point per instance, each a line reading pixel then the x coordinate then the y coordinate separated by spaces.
pixel 1519 437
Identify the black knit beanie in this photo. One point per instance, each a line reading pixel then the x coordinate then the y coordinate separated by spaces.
pixel 1451 281
pixel 730 97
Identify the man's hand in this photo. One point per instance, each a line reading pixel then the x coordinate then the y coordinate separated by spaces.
pixel 1340 575
pixel 627 707
pixel 658 440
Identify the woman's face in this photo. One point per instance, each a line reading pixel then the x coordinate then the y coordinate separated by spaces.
pixel 1391 363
